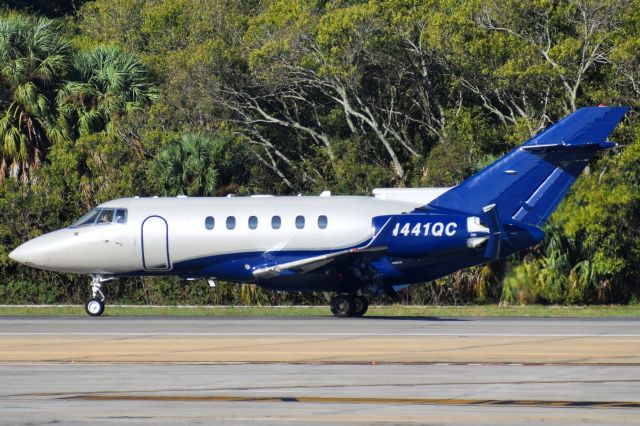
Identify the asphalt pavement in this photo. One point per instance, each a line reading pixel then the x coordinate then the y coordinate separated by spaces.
pixel 230 370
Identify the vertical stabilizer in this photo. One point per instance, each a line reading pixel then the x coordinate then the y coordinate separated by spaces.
pixel 527 184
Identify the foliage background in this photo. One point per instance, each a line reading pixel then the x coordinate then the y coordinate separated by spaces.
pixel 104 99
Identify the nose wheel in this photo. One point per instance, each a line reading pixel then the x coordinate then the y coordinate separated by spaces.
pixel 95 306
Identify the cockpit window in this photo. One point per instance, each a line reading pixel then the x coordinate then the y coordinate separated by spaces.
pixel 121 216
pixel 101 217
pixel 87 219
pixel 106 216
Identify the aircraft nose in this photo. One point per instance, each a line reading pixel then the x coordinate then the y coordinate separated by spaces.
pixel 25 253
pixel 59 251
pixel 45 252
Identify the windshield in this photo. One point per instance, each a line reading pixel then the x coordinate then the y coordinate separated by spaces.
pixel 101 217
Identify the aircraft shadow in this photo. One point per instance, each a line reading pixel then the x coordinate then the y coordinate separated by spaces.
pixel 414 318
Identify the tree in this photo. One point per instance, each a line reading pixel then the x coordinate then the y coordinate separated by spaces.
pixel 604 215
pixel 556 46
pixel 107 82
pixel 49 8
pixel 191 164
pixel 34 58
pixel 325 74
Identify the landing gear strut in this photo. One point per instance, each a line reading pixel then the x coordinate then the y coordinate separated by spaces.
pixel 95 306
pixel 344 305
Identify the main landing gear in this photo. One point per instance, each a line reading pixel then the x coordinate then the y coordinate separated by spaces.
pixel 345 305
pixel 95 306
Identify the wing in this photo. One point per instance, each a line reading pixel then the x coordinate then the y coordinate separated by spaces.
pixel 307 264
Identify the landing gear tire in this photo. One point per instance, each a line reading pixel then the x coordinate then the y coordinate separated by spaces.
pixel 342 306
pixel 361 306
pixel 94 307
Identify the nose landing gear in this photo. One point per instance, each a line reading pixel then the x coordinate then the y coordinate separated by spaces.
pixel 95 306
pixel 344 305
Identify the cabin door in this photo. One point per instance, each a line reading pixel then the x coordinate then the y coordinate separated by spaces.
pixel 155 244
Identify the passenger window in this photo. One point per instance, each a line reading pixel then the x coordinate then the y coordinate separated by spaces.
pixel 231 222
pixel 253 222
pixel 322 222
pixel 276 222
pixel 105 217
pixel 209 222
pixel 300 222
pixel 121 216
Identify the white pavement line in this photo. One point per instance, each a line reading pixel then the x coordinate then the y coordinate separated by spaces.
pixel 280 334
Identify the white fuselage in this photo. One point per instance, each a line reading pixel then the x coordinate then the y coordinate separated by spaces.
pixel 160 232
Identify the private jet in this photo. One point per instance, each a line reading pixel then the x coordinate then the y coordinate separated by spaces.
pixel 353 246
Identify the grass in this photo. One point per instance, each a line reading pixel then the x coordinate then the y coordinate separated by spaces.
pixel 301 311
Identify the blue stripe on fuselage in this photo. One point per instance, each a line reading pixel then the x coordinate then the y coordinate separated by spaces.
pixel 398 269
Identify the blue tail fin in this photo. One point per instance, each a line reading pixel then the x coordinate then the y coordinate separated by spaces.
pixel 527 184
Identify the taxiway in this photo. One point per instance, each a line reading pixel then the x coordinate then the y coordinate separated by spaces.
pixel 319 370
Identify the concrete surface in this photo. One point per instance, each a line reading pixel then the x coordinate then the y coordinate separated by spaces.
pixel 320 340
pixel 319 371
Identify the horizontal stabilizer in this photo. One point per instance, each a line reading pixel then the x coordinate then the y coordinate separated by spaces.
pixel 563 147
pixel 590 125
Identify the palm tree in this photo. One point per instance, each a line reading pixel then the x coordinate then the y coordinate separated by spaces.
pixel 189 165
pixel 107 82
pixel 34 57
